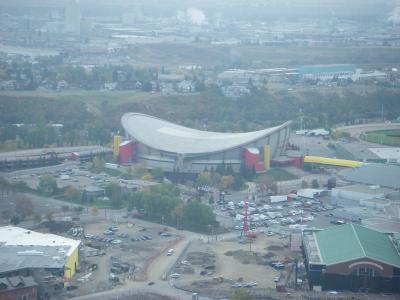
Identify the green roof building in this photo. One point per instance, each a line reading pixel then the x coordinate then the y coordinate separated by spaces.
pixel 352 257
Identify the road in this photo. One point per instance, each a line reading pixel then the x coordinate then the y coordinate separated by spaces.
pixel 158 267
pixel 356 130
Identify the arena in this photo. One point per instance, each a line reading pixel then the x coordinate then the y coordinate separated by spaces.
pixel 159 143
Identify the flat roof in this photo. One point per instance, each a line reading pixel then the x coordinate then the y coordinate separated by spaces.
pixel 356 242
pixel 166 136
pixel 14 258
pixel 365 189
pixel 18 236
pixel 387 152
pixel 375 174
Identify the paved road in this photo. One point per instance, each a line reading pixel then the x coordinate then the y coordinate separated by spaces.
pixel 356 130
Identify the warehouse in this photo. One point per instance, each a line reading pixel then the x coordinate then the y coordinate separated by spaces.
pixel 352 257
pixel 327 72
pixel 25 252
pixel 159 143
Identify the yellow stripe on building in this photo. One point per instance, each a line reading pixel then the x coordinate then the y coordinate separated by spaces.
pixel 332 161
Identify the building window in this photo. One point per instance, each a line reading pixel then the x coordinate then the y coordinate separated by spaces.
pixel 363 271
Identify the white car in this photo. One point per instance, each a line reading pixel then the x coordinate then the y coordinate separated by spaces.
pixel 116 242
pixel 175 275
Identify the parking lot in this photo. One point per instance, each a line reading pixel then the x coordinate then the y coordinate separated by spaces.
pixel 283 216
pixel 114 254
pixel 74 174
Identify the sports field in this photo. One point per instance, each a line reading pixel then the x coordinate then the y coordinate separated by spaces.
pixel 383 137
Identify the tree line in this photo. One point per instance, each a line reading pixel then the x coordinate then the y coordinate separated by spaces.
pixel 162 204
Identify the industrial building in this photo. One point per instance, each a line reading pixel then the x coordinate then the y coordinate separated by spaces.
pixel 352 257
pixel 327 72
pixel 159 143
pixel 28 253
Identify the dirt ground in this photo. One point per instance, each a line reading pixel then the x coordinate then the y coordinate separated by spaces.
pixel 213 268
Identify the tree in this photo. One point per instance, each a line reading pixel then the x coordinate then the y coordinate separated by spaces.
pixel 94 211
pixel 157 173
pixel 15 220
pixel 98 164
pixel 314 184
pixel 37 218
pixel 198 216
pixel 203 179
pixel 113 191
pixel 64 209
pixel 47 185
pixel 227 181
pixel 241 294
pixel 140 171
pixel 49 216
pixel 128 175
pixel 147 177
pixel 23 206
pixel 304 184
pixel 177 213
pixel 78 209
pixel 238 182
pixel 72 194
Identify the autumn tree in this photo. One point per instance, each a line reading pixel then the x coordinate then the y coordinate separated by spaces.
pixel 227 181
pixel 98 164
pixel 94 211
pixel 72 194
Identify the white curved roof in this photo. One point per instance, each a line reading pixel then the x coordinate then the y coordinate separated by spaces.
pixel 170 137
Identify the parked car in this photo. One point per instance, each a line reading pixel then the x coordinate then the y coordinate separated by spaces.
pixel 116 270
